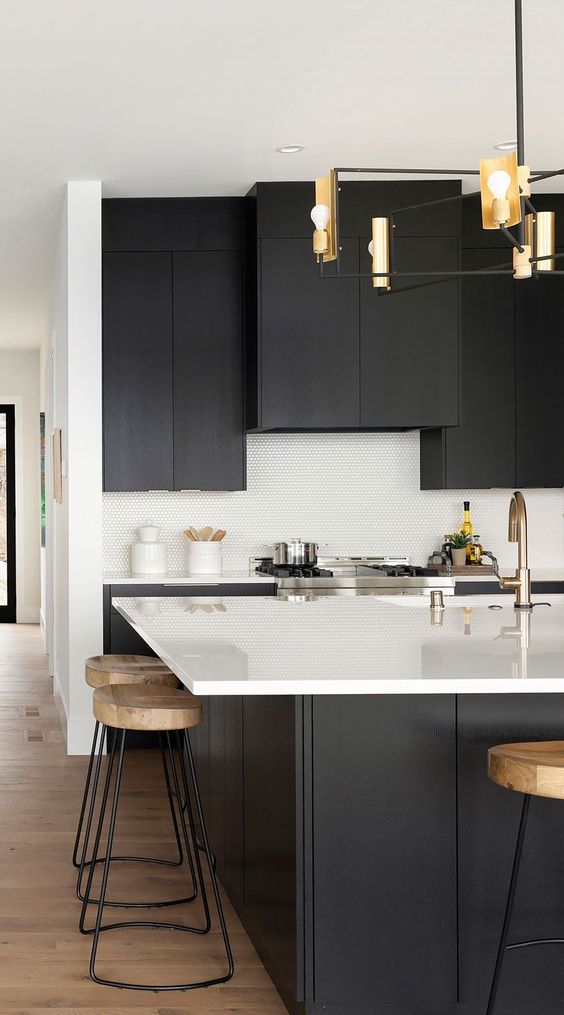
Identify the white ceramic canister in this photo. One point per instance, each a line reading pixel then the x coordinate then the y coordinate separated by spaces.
pixel 148 554
pixel 204 557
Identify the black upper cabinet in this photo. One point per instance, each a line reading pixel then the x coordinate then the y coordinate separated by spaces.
pixel 540 382
pixel 409 342
pixel 332 354
pixel 137 371
pixel 173 323
pixel 208 371
pixel 480 452
pixel 309 339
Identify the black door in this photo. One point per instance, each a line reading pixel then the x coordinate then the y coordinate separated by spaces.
pixel 7 515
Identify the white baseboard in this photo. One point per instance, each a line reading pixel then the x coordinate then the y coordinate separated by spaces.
pixel 78 733
pixel 27 614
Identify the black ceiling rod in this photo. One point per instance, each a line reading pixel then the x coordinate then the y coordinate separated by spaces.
pixel 409 172
pixel 519 108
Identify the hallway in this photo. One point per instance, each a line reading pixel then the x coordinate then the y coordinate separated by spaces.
pixel 43 958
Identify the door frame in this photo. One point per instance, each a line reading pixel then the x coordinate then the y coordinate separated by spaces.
pixel 8 612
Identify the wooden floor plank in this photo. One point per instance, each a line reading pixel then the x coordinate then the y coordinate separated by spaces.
pixel 43 958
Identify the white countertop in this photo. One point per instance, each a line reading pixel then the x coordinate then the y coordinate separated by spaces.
pixel 183 578
pixel 361 645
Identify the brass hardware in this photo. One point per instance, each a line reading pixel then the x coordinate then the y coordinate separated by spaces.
pixel 517 533
pixel 523 173
pixel 545 237
pixel 487 167
pixel 326 193
pixel 381 253
pixel 521 262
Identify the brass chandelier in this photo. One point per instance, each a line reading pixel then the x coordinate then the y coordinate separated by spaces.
pixel 505 192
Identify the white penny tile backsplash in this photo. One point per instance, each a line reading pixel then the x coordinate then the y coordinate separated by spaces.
pixel 353 493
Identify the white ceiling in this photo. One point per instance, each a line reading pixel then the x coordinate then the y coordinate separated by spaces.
pixel 176 97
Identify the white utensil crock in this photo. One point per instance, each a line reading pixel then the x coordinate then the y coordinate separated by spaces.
pixel 204 557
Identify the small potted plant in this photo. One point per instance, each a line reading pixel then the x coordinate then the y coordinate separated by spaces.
pixel 459 544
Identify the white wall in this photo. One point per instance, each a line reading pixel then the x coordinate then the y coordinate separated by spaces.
pixel 356 493
pixel 75 553
pixel 19 384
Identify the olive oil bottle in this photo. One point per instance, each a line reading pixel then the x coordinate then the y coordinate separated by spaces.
pixel 466 527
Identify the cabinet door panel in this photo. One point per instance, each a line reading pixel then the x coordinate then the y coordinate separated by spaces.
pixel 384 834
pixel 540 382
pixel 309 339
pixel 269 761
pixel 480 451
pixel 137 371
pixel 208 371
pixel 409 342
pixel 488 818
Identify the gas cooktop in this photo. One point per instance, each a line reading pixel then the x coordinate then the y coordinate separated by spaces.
pixel 347 574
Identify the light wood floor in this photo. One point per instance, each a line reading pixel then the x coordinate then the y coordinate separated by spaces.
pixel 43 958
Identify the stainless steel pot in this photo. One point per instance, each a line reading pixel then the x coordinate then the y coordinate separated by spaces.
pixel 295 552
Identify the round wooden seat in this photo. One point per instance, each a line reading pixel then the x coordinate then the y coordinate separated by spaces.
pixel 533 768
pixel 147 707
pixel 128 669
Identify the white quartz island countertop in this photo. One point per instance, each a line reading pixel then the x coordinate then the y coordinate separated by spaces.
pixel 361 645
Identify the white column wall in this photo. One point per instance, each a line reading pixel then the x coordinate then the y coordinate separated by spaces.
pixel 77 523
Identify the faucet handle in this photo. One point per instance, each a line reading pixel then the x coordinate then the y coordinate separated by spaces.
pixel 495 565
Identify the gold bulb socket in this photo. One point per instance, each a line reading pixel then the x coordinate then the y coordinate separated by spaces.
pixel 320 241
pixel 522 267
pixel 500 210
pixel 545 245
pixel 381 253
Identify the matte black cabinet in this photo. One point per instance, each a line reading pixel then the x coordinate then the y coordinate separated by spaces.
pixel 330 353
pixel 511 377
pixel 137 371
pixel 480 452
pixel 409 342
pixel 539 350
pixel 309 356
pixel 173 323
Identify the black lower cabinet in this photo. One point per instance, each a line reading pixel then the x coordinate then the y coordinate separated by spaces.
pixel 384 831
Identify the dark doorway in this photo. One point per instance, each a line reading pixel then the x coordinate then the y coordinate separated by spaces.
pixel 7 515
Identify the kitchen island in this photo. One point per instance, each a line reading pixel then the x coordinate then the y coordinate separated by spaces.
pixel 343 763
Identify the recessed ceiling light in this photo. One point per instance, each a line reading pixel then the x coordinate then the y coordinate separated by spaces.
pixel 290 149
pixel 506 146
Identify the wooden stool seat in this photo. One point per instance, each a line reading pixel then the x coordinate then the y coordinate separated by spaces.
pixel 147 707
pixel 128 669
pixel 536 769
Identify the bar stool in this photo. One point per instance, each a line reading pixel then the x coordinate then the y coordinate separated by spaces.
pixel 533 769
pixel 118 669
pixel 171 713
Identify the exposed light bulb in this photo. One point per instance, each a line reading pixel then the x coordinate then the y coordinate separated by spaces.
pixel 320 216
pixel 371 248
pixel 498 183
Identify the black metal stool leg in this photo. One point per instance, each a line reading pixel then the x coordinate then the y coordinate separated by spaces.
pixel 142 859
pixel 98 836
pixel 189 786
pixel 108 857
pixel 509 907
pixel 75 860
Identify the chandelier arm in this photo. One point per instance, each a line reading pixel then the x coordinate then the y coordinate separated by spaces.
pixel 439 200
pixel 546 257
pixel 529 205
pixel 509 236
pixel 535 177
pixel 444 275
